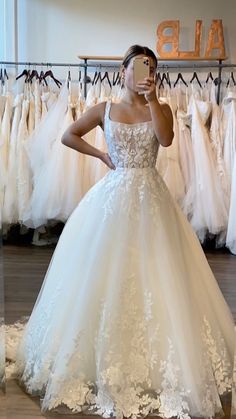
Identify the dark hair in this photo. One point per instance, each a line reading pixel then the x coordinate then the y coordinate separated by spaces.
pixel 138 50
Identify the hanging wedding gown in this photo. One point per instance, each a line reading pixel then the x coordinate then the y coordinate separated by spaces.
pixel 186 159
pixel 31 115
pixel 24 176
pixel 58 187
pixel 5 132
pixel 169 162
pixel 39 149
pixel 210 212
pixel 10 207
pixel 217 145
pixel 231 230
pixel 229 131
pixel 130 319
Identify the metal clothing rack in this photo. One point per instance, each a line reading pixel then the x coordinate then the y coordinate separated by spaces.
pixel 115 61
pixel 195 63
pixel 84 65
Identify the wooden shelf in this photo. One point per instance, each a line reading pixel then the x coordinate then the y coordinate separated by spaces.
pixel 100 58
pixel 117 58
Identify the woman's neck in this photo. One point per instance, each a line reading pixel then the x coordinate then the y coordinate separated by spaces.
pixel 133 98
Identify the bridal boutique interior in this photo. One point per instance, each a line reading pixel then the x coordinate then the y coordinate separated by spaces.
pixel 58 59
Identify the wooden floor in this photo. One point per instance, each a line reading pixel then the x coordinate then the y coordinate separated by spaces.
pixel 24 270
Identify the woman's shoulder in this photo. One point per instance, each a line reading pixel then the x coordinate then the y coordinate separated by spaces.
pixel 101 109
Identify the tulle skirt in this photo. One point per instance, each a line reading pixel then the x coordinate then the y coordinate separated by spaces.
pixel 130 319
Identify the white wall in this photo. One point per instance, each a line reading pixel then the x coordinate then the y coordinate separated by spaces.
pixel 59 30
pixel 8 30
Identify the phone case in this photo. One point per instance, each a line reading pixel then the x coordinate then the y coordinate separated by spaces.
pixel 141 69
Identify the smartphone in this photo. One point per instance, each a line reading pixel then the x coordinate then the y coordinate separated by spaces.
pixel 141 69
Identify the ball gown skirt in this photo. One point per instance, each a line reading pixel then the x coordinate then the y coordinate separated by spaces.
pixel 130 320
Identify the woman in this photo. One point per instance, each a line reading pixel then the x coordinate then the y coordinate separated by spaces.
pixel 130 319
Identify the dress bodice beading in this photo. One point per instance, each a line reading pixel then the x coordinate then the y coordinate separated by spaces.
pixel 130 145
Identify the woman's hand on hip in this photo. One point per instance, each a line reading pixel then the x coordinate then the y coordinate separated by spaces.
pixel 107 160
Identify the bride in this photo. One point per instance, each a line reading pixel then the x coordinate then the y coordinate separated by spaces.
pixel 130 320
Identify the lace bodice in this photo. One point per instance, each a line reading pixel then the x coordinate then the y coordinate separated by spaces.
pixel 130 145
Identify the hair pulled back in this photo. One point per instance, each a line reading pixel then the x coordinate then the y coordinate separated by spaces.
pixel 138 50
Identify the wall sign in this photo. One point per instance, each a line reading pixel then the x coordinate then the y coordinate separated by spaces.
pixel 215 41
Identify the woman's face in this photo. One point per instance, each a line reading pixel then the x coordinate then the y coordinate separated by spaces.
pixel 129 72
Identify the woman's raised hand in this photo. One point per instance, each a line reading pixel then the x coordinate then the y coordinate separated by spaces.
pixel 148 88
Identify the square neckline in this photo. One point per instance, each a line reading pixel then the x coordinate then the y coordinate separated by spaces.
pixel 123 123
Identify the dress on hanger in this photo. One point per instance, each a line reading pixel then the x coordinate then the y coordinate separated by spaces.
pixel 24 176
pixel 171 170
pixel 185 149
pixel 10 207
pixel 229 131
pixel 38 103
pixel 90 164
pixel 210 212
pixel 231 230
pixel 39 146
pixel 130 319
pixel 5 132
pixel 217 145
pixel 31 116
pixel 47 99
pixel 58 187
pixel 2 105
pixel 97 168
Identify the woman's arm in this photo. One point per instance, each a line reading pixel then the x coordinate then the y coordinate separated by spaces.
pixel 72 137
pixel 162 122
pixel 161 113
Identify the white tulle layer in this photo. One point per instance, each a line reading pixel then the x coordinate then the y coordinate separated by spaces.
pixel 231 230
pixel 130 319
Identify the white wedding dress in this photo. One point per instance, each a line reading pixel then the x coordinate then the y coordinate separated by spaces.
pixel 130 319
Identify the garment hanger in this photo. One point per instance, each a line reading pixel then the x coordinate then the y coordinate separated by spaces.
pixel 164 78
pixel 1 77
pixel 195 77
pixel 28 76
pixel 157 77
pixel 5 75
pixel 94 77
pixel 168 78
pixel 68 79
pixel 99 77
pixel 80 79
pixel 209 77
pixel 180 78
pixel 106 76
pixel 25 72
pixel 115 78
pixel 231 78
pixel 118 78
pixel 33 74
pixel 49 73
pixel 41 76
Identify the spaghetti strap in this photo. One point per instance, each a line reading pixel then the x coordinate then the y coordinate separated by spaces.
pixel 107 111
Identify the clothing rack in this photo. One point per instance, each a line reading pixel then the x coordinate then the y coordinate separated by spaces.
pixel 106 62
pixel 195 63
